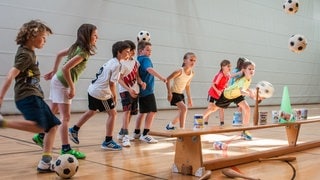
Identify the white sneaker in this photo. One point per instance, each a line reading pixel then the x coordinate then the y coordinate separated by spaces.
pixel 126 141
pixel 120 136
pixel 45 167
pixel 148 139
pixel 136 136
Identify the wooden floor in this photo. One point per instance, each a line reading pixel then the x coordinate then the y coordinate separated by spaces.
pixel 19 155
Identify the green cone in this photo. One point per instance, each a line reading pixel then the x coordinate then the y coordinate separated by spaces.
pixel 286 114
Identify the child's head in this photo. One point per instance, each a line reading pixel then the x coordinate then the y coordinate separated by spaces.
pixel 87 36
pixel 225 66
pixel 132 48
pixel 240 62
pixel 189 59
pixel 33 30
pixel 121 50
pixel 248 69
pixel 144 48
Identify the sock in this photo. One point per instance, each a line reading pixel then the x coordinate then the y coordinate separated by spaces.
pixel 46 157
pixel 76 128
pixel 137 131
pixel 221 123
pixel 3 123
pixel 125 131
pixel 66 147
pixel 108 138
pixel 205 123
pixel 121 131
pixel 145 132
pixel 41 135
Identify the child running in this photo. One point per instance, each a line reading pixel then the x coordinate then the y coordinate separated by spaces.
pixel 129 89
pixel 181 82
pixel 219 83
pixel 62 87
pixel 102 96
pixel 28 94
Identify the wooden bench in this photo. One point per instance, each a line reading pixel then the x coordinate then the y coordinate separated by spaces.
pixel 188 148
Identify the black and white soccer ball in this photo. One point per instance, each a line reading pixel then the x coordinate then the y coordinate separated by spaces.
pixel 266 89
pixel 143 36
pixel 291 6
pixel 66 166
pixel 297 43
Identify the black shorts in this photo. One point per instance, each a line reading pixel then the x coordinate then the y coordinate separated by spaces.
pixel 101 105
pixel 212 99
pixel 147 104
pixel 129 103
pixel 223 102
pixel 34 108
pixel 176 97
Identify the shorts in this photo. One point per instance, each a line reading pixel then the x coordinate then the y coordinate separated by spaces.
pixel 147 104
pixel 101 105
pixel 212 99
pixel 176 97
pixel 129 103
pixel 58 92
pixel 223 102
pixel 34 108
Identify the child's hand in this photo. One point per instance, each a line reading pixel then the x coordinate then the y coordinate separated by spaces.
pixel 143 85
pixel 49 75
pixel 169 97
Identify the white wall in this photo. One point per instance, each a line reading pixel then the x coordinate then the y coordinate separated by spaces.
pixel 213 29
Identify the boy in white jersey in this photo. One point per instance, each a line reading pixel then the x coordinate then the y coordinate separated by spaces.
pixel 102 95
pixel 181 82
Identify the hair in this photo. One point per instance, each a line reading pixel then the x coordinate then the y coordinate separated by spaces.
pixel 186 55
pixel 142 45
pixel 31 30
pixel 131 43
pixel 224 62
pixel 245 65
pixel 240 62
pixel 83 39
pixel 119 46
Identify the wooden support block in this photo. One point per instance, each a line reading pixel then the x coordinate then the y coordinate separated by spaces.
pixel 292 133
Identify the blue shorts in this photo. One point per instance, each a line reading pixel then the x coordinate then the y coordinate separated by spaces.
pixel 34 108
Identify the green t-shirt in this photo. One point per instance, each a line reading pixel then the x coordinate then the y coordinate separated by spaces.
pixel 233 91
pixel 77 70
pixel 28 80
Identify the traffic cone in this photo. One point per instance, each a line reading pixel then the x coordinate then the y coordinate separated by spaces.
pixel 286 113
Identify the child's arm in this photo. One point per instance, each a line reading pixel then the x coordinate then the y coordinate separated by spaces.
pixel 67 75
pixel 173 75
pixel 12 74
pixel 189 94
pixel 59 57
pixel 140 82
pixel 239 73
pixel 156 74
pixel 129 89
pixel 113 91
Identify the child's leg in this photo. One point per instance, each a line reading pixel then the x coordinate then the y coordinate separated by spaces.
pixel 64 110
pixel 125 122
pixel 139 119
pixel 245 112
pixel 23 125
pixel 182 114
pixel 210 109
pixel 110 122
pixel 149 120
pixel 221 115
pixel 85 117
pixel 48 140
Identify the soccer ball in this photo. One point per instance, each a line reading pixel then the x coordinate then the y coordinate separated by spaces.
pixel 297 43
pixel 144 36
pixel 266 89
pixel 66 166
pixel 291 6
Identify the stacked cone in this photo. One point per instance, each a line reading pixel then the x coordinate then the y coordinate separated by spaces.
pixel 286 112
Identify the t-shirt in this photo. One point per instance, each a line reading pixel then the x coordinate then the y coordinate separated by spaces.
pixel 220 80
pixel 77 70
pixel 99 87
pixel 129 70
pixel 145 63
pixel 180 82
pixel 28 80
pixel 233 91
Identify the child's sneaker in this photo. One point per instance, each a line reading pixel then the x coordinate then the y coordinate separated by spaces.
pixel 38 140
pixel 1 121
pixel 73 135
pixel 136 136
pixel 77 154
pixel 111 145
pixel 246 135
pixel 44 167
pixel 120 136
pixel 148 139
pixel 170 128
pixel 126 141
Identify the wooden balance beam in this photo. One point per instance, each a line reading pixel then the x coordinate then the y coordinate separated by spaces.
pixel 188 150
